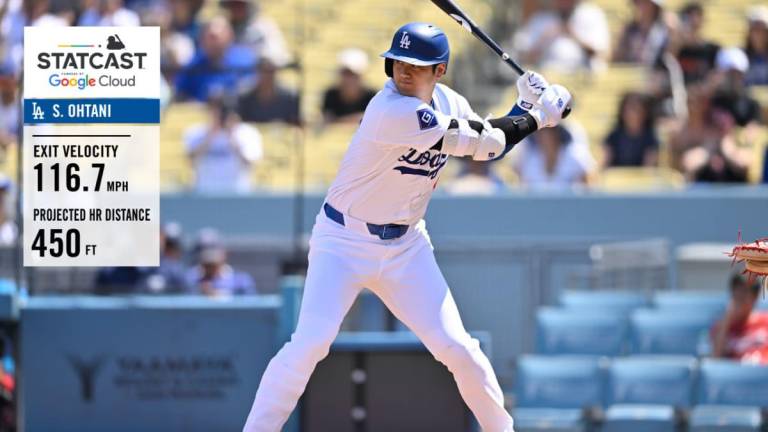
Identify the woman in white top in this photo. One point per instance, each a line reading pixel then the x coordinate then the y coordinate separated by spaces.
pixel 554 158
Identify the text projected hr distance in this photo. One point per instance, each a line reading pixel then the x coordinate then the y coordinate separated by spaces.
pixel 91 146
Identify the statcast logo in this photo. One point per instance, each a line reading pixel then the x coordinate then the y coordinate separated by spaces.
pixel 71 65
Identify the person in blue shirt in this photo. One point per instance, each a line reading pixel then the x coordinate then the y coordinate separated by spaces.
pixel 219 65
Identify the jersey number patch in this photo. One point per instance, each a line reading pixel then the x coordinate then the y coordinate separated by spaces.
pixel 427 119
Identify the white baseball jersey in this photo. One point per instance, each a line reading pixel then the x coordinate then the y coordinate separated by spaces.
pixel 391 166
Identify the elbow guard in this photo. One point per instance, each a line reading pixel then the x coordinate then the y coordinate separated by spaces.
pixel 472 138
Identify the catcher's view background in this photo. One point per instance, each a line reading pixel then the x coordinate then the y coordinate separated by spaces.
pixel 591 262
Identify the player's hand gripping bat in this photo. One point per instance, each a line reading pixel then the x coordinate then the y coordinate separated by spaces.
pixel 449 7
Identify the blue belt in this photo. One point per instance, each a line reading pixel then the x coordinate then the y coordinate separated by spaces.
pixel 384 232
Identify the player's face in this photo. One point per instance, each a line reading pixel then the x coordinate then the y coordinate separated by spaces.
pixel 416 81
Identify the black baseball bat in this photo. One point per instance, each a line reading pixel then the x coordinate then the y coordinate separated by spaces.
pixel 449 7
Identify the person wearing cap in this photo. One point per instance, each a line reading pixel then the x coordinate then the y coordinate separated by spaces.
pixel 756 46
pixel 727 158
pixel 730 92
pixel 212 276
pixel 370 232
pixel 267 100
pixel 346 101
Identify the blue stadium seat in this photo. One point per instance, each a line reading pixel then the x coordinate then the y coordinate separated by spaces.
pixel 549 420
pixel 655 380
pixel 644 392
pixel 711 418
pixel 668 331
pixel 724 382
pixel 559 382
pixel 640 418
pixel 619 301
pixel 712 303
pixel 562 331
pixel 552 392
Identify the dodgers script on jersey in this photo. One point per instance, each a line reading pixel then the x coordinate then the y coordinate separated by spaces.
pixel 393 162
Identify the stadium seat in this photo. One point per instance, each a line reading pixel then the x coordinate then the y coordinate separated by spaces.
pixel 712 303
pixel 619 301
pixel 640 418
pixel 661 380
pixel 552 392
pixel 563 331
pixel 644 392
pixel 724 382
pixel 549 420
pixel 718 418
pixel 668 331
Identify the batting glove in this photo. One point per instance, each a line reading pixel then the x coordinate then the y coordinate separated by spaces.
pixel 551 104
pixel 530 87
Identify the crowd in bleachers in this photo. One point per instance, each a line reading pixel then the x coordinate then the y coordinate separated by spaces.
pixel 694 113
pixel 201 269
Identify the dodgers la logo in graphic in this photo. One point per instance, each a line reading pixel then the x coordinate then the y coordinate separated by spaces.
pixel 405 41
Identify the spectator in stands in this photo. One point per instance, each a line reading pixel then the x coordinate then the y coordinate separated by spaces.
pixel 476 178
pixel 696 131
pixel 757 46
pixel 219 65
pixel 267 100
pixel 742 333
pixel 170 277
pixel 644 39
pixel 573 35
pixel 346 101
pixel 632 142
pixel 213 277
pixel 108 13
pixel 184 17
pixel 554 158
pixel 724 159
pixel 9 110
pixel 257 31
pixel 223 151
pixel 33 13
pixel 731 93
pixel 8 230
pixel 695 54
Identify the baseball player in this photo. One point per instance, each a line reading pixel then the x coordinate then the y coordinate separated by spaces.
pixel 370 233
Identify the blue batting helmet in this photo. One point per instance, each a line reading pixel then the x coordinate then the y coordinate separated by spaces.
pixel 418 44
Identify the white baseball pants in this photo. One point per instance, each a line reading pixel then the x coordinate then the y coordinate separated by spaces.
pixel 404 274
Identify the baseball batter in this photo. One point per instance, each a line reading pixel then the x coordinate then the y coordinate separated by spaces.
pixel 370 233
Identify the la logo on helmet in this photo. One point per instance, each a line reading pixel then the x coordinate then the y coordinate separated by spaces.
pixel 405 41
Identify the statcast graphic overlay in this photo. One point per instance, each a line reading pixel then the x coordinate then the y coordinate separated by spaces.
pixel 91 147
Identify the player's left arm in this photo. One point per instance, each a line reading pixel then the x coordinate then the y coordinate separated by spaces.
pixel 494 138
